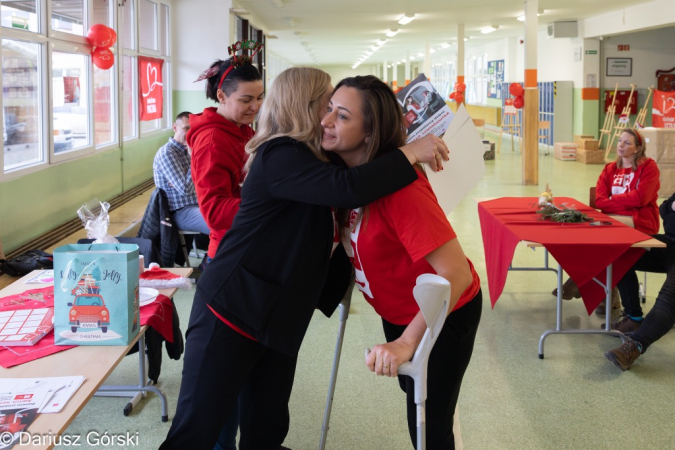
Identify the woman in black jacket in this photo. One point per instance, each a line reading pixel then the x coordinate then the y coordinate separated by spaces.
pixel 661 318
pixel 255 299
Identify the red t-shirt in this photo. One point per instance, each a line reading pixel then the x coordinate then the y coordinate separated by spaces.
pixel 389 245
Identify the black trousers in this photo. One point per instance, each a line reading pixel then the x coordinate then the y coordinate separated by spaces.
pixel 447 364
pixel 661 318
pixel 656 260
pixel 220 366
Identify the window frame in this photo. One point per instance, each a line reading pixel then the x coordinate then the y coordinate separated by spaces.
pixel 50 40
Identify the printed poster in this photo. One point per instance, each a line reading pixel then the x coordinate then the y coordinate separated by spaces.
pixel 663 109
pixel 495 78
pixel 424 110
pixel 150 76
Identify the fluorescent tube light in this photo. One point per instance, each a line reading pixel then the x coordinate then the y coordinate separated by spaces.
pixel 406 19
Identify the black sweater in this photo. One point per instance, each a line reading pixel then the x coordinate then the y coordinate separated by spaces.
pixel 270 269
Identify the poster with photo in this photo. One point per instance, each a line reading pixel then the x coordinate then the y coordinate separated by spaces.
pixel 495 78
pixel 424 110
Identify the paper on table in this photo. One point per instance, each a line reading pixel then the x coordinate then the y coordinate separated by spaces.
pixel 45 276
pixel 466 166
pixel 48 394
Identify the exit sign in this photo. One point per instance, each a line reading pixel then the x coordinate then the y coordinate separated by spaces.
pixel 623 48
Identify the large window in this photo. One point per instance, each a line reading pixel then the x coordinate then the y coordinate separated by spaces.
pixel 70 100
pixel 20 15
pixel 56 103
pixel 21 93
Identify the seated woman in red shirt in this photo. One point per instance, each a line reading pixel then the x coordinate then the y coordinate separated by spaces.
pixel 394 240
pixel 627 190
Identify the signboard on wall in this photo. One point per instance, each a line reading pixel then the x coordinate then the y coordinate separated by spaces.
pixel 151 98
pixel 663 109
pixel 495 78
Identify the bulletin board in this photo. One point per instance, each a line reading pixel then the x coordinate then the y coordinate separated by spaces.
pixel 495 78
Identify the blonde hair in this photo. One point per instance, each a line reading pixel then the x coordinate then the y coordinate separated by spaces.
pixel 291 109
pixel 640 153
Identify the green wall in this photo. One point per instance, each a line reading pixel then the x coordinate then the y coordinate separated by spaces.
pixel 35 203
pixel 585 120
pixel 193 101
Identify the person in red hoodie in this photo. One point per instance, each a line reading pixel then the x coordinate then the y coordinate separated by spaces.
pixel 217 138
pixel 627 190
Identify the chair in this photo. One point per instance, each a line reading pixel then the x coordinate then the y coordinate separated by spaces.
pixel 181 237
pixel 545 132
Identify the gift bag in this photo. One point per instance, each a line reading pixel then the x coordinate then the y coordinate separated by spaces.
pixel 96 294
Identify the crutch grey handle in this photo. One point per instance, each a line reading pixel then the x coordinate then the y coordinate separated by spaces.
pixel 432 293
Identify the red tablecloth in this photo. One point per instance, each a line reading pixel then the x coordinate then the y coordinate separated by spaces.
pixel 583 250
pixel 158 315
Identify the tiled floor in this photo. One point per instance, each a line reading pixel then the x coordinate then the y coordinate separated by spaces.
pixel 574 399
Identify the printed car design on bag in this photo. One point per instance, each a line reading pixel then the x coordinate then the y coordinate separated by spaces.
pixel 88 310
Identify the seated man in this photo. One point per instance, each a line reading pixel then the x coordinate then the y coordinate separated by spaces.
pixel 173 175
pixel 662 316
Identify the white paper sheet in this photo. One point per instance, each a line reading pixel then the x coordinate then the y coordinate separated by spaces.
pixel 466 166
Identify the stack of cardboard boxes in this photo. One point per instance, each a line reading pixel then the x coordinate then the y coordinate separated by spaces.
pixel 588 151
pixel 660 143
pixel 565 151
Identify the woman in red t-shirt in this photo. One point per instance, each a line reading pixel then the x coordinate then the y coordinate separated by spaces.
pixel 627 190
pixel 396 239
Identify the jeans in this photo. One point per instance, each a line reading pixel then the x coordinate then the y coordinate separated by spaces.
pixel 661 318
pixel 188 218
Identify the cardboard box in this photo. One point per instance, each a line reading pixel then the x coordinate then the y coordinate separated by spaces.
pixel 590 156
pixel 565 151
pixel 587 143
pixel 660 143
pixel 579 137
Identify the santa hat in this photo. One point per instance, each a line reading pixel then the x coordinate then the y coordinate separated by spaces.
pixel 158 278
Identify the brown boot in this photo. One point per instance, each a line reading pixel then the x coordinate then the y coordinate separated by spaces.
pixel 624 323
pixel 570 290
pixel 623 357
pixel 616 303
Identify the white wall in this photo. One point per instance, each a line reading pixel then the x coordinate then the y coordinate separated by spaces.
pixel 654 14
pixel 650 50
pixel 195 48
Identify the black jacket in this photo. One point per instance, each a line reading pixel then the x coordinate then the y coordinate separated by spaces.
pixel 271 268
pixel 157 225
pixel 668 216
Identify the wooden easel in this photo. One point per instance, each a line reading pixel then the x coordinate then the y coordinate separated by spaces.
pixel 608 125
pixel 619 127
pixel 510 124
pixel 640 119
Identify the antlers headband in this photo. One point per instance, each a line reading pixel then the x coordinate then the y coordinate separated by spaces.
pixel 236 61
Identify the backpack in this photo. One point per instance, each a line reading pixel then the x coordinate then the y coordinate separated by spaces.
pixel 24 264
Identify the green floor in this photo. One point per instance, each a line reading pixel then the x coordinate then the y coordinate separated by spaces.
pixel 511 400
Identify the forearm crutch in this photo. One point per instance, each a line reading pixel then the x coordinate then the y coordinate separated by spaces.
pixel 344 314
pixel 432 294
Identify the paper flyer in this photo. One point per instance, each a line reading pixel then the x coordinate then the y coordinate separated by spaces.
pixel 424 110
pixel 45 276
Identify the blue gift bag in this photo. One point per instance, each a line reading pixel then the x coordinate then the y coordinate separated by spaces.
pixel 96 294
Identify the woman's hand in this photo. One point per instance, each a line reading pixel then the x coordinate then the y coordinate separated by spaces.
pixel 384 359
pixel 430 149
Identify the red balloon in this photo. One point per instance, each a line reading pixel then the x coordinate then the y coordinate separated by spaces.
pixel 103 58
pixel 518 102
pixel 461 87
pixel 459 97
pixel 452 95
pixel 516 89
pixel 100 35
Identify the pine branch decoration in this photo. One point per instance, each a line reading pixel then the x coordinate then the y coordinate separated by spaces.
pixel 561 214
